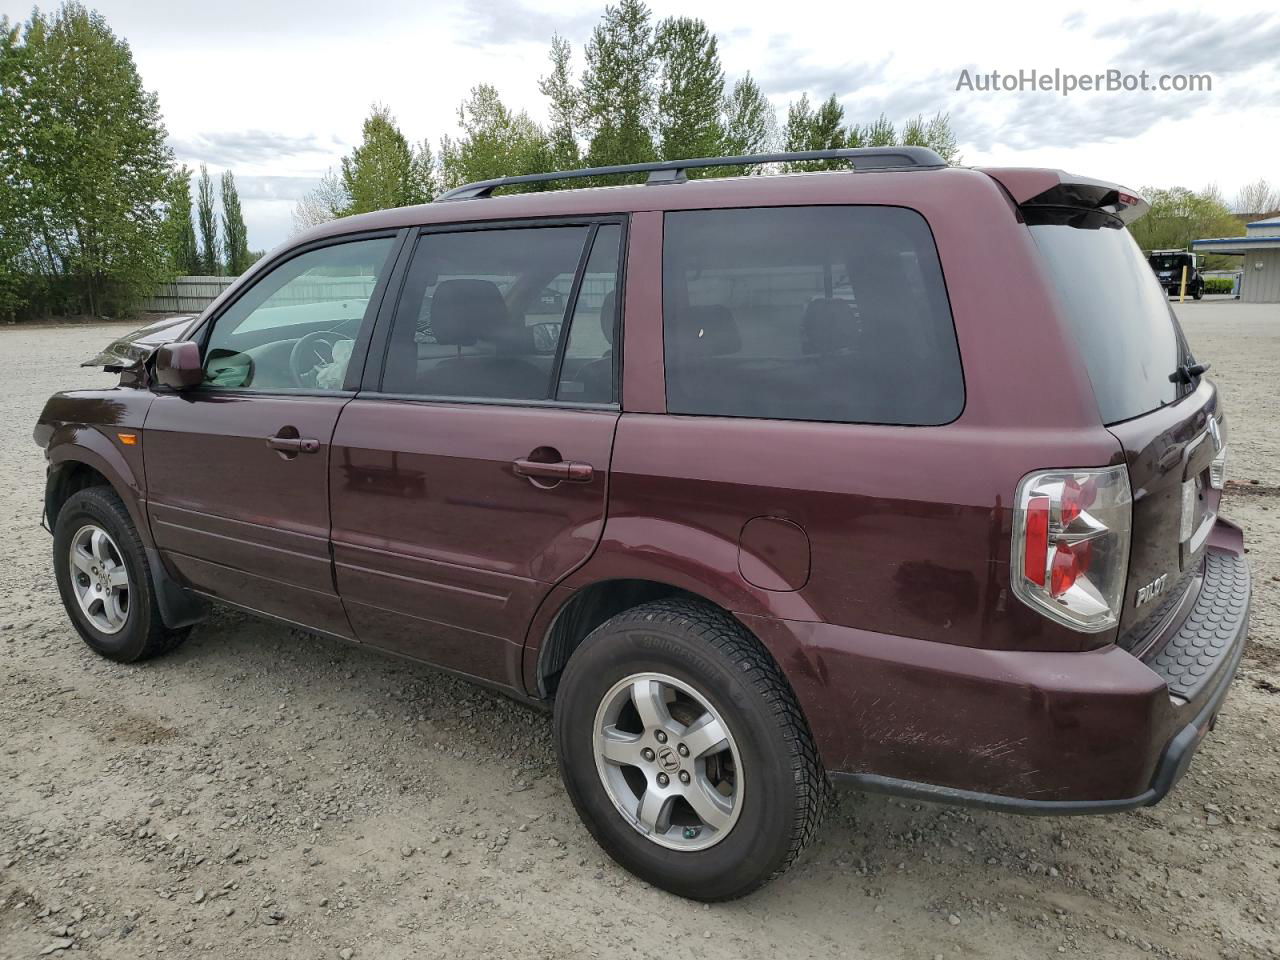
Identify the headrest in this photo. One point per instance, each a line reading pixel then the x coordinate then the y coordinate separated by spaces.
pixel 464 311
pixel 607 319
pixel 829 327
pixel 708 332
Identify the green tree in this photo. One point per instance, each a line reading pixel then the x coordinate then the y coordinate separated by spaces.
pixel 235 236
pixel 207 217
pixel 690 91
pixel 618 87
pixel 881 133
pixel 820 129
pixel 559 88
pixel 934 133
pixel 180 232
pixel 383 171
pixel 1179 216
pixel 750 123
pixel 495 142
pixel 85 168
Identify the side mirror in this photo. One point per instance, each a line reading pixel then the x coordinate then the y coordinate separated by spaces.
pixel 178 365
pixel 546 337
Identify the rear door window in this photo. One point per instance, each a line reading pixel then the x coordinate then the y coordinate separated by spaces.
pixel 832 313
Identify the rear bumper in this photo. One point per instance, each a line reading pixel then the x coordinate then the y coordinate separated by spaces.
pixel 1026 732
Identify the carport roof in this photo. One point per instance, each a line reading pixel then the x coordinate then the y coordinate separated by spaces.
pixel 1236 244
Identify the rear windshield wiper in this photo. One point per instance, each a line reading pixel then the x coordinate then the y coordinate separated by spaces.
pixel 1188 372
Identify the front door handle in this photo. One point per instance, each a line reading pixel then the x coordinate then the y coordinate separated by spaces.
pixel 293 445
pixel 572 471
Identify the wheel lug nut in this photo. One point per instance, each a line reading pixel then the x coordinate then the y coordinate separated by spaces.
pixel 684 776
pixel 647 754
pixel 660 737
pixel 684 751
pixel 663 779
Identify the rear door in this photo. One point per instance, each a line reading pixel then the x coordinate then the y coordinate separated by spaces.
pixel 1165 416
pixel 237 469
pixel 472 473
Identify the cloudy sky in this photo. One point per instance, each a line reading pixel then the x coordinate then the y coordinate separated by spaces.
pixel 277 90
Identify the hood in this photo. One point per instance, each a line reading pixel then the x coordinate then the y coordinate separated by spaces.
pixel 134 348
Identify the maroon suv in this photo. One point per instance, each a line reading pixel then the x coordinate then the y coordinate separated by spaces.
pixel 902 477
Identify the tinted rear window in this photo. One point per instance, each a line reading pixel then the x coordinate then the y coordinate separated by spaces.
pixel 1119 313
pixel 808 313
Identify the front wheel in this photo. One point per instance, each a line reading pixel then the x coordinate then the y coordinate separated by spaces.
pixel 105 582
pixel 685 752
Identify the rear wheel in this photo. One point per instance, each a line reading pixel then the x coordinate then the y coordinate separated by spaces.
pixel 685 752
pixel 104 580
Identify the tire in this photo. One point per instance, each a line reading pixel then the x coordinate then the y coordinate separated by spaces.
pixel 769 774
pixel 131 630
pixel 1199 292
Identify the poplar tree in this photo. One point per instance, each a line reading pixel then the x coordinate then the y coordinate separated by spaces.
pixel 618 87
pixel 207 218
pixel 690 91
pixel 559 88
pixel 180 232
pixel 235 236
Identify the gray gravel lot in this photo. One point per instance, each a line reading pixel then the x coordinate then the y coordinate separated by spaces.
pixel 264 793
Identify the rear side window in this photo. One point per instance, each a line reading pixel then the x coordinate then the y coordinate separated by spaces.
pixel 1117 310
pixel 808 313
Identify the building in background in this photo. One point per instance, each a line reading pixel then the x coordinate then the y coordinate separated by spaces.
pixel 1260 248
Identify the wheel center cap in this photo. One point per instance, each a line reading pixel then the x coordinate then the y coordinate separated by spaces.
pixel 668 760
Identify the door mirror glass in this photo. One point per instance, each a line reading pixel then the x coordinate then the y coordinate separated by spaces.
pixel 178 365
pixel 546 337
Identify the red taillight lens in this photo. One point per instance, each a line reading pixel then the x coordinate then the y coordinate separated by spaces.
pixel 1070 561
pixel 1071 544
pixel 1036 556
pixel 1076 498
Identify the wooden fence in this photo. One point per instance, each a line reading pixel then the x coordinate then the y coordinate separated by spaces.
pixel 186 294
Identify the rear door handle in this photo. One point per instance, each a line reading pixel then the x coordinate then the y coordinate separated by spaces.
pixel 294 444
pixel 572 471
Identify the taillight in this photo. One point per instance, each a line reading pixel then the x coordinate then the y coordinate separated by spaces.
pixel 1071 545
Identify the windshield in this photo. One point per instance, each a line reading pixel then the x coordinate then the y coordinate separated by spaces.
pixel 1169 262
pixel 1118 311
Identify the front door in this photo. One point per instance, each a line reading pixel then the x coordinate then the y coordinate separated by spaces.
pixel 474 477
pixel 238 469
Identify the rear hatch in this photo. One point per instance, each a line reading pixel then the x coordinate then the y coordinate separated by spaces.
pixel 1151 393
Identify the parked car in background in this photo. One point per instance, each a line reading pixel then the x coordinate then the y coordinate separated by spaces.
pixel 903 477
pixel 1169 265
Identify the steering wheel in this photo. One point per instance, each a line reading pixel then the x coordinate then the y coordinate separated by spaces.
pixel 310 352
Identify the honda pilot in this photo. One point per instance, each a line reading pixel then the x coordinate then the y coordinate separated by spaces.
pixel 901 476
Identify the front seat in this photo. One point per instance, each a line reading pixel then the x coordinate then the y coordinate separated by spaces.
pixel 597 376
pixel 467 312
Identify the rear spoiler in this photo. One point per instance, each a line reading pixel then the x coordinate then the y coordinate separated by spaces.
pixel 1031 188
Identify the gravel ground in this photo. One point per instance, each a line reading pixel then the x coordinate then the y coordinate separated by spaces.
pixel 263 793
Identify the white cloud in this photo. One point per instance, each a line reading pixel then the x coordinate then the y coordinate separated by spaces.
pixel 277 91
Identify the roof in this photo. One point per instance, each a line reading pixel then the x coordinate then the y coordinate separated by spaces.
pixel 1269 222
pixel 1236 244
pixel 836 186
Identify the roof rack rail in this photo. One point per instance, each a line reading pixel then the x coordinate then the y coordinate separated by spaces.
pixel 673 171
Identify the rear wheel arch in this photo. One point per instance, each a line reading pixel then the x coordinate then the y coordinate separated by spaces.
pixel 589 607
pixel 596 603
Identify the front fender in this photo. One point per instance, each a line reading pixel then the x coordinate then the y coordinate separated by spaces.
pixel 84 428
